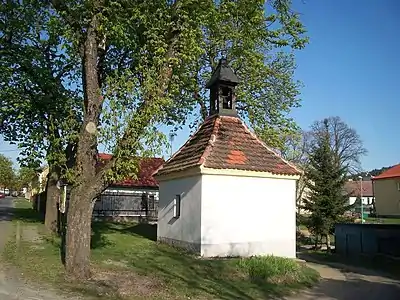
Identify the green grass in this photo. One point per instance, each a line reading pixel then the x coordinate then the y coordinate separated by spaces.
pixel 126 260
pixel 274 269
pixel 22 203
pixel 383 220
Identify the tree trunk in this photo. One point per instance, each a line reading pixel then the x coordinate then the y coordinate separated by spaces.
pixel 80 207
pixel 316 242
pixel 78 235
pixel 52 197
pixel 328 243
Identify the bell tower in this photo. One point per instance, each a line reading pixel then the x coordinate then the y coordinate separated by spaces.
pixel 222 90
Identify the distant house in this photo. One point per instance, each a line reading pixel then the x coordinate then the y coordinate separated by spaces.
pixel 387 192
pixel 37 188
pixel 131 198
pixel 353 188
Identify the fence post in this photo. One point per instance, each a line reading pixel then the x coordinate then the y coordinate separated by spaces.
pixel 18 237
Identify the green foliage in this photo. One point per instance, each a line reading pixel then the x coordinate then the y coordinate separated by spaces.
pixel 24 178
pixel 275 269
pixel 325 179
pixel 141 44
pixel 256 39
pixel 6 172
pixel 39 110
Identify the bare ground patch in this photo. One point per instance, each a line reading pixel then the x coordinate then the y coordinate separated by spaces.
pixel 125 284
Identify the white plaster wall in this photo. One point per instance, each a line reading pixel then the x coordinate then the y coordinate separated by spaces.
pixel 186 228
pixel 248 216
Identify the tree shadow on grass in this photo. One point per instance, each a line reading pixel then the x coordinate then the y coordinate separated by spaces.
pixel 218 278
pixel 148 231
pixel 100 229
pixel 27 215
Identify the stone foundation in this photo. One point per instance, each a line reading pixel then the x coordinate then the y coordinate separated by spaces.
pixel 191 247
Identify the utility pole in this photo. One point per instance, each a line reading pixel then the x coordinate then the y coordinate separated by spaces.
pixel 361 196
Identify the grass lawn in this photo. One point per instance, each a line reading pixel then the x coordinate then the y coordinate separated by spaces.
pixel 128 263
pixel 383 220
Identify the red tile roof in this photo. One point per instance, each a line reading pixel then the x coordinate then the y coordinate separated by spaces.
pixel 393 172
pixel 147 166
pixel 352 188
pixel 224 142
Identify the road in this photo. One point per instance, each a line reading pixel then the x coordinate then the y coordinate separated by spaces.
pixel 12 286
pixel 347 283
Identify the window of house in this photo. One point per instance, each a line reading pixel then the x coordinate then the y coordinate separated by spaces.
pixel 398 186
pixel 151 202
pixel 177 206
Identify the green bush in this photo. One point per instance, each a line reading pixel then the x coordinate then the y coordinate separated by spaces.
pixel 275 269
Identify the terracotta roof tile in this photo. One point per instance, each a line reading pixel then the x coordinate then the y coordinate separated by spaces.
pixel 352 188
pixel 393 172
pixel 147 166
pixel 224 142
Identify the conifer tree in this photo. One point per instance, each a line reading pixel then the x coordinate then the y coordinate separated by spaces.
pixel 326 201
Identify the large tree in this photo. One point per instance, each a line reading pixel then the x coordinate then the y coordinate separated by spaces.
pixel 39 111
pixel 296 149
pixel 7 174
pixel 144 63
pixel 344 141
pixel 258 39
pixel 325 181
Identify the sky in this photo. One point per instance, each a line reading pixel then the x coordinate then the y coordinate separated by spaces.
pixel 350 69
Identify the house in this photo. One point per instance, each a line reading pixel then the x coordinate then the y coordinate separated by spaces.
pixel 224 192
pixel 131 198
pixel 387 192
pixel 37 188
pixel 353 188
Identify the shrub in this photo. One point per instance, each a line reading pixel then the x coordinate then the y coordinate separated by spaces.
pixel 277 270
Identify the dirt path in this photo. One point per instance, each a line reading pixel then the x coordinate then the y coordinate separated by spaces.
pixel 12 286
pixel 341 282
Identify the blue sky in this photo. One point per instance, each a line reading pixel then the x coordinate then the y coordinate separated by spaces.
pixel 350 68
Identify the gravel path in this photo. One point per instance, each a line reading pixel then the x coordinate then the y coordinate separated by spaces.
pixel 12 286
pixel 341 282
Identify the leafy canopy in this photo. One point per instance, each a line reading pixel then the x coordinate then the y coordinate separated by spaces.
pixel 6 172
pixel 40 111
pixel 142 44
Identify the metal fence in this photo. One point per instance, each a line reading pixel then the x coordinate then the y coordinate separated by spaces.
pixel 120 204
pixel 367 239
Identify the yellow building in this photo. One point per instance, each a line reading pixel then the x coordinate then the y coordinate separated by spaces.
pixel 387 192
pixel 38 185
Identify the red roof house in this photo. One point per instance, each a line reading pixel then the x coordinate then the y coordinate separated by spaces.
pixel 147 166
pixel 393 172
pixel 130 198
pixel 352 188
pixel 387 192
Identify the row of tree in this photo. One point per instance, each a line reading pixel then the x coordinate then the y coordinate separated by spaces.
pixel 13 179
pixel 78 74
